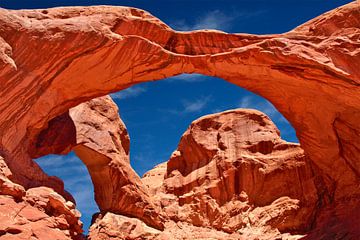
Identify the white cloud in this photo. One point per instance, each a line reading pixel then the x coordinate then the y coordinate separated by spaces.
pixel 287 131
pixel 84 199
pixel 263 106
pixel 128 93
pixel 189 106
pixel 185 77
pixel 215 19
pixel 217 110
pixel 211 20
pixel 57 164
pixel 195 106
pixel 245 102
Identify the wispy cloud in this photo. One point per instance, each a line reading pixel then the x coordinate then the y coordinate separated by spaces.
pixel 189 106
pixel 210 20
pixel 215 19
pixel 188 78
pixel 143 161
pixel 287 131
pixel 57 164
pixel 129 92
pixel 263 106
pixel 197 105
pixel 218 109
pixel 84 199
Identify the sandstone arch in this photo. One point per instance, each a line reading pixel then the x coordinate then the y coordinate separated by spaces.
pixel 55 59
pixel 95 132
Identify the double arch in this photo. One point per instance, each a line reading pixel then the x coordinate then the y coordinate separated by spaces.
pixel 54 60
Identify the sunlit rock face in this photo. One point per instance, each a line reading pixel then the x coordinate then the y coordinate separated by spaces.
pixel 230 165
pixel 99 137
pixel 103 145
pixel 52 60
pixel 36 213
pixel 234 174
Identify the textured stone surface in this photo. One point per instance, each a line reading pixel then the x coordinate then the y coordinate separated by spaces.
pixel 37 214
pixel 103 145
pixel 116 227
pixel 233 174
pixel 98 136
pixel 85 52
pixel 228 164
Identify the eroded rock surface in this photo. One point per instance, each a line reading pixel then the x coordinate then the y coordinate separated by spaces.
pixel 98 136
pixel 233 174
pixel 228 164
pixel 103 145
pixel 37 214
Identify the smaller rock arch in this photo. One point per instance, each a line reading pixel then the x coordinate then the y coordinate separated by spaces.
pixel 95 132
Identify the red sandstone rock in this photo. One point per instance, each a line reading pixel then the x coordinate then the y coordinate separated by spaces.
pixel 97 134
pixel 232 174
pixel 40 214
pixel 311 74
pixel 102 143
pixel 111 226
pixel 100 139
pixel 229 163
pixel 115 227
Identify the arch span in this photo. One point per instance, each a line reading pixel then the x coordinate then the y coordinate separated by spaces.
pixel 100 139
pixel 53 60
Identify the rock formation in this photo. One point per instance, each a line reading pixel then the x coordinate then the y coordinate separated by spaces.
pixel 233 174
pixel 98 136
pixel 54 59
pixel 103 145
pixel 228 163
pixel 36 213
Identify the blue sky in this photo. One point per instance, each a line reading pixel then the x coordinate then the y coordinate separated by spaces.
pixel 157 113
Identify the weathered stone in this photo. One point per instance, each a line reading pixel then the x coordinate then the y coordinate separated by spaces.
pixel 40 214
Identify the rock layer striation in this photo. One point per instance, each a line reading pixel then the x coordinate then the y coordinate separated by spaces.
pixel 233 174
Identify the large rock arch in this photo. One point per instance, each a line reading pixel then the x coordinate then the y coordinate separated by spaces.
pixel 54 59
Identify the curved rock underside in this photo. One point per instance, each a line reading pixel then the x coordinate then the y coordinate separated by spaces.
pixel 99 137
pixel 52 60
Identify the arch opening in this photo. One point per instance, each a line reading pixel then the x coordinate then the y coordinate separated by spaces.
pixel 156 114
pixel 181 103
pixel 77 181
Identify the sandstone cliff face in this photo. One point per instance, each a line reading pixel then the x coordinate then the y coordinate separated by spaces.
pixel 229 164
pixel 232 174
pixel 86 52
